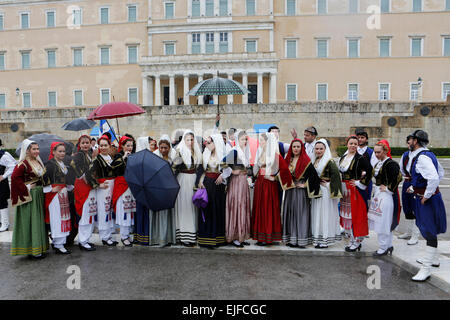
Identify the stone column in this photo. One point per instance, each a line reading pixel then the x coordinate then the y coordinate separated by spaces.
pixel 172 100
pixel 245 84
pixel 260 88
pixel 273 88
pixel 157 90
pixel 200 98
pixel 215 97
pixel 145 95
pixel 230 97
pixel 186 89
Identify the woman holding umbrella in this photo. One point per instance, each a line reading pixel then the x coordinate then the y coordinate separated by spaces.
pixel 123 202
pixel 102 175
pixel 211 224
pixel 85 195
pixel 162 223
pixel 238 211
pixel 57 209
pixel 185 164
pixel 29 236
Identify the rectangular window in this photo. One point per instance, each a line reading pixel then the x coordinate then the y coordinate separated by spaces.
pixel 52 98
pixel 417 5
pixel 291 92
pixel 322 92
pixel 133 95
pixel 322 48
pixel 414 92
pixel 416 47
pixel 2 61
pixel 445 90
pixel 385 47
pixel 209 8
pixel 223 8
pixel 78 97
pixel 353 6
pixel 291 48
pixel 132 54
pixel 2 100
pixel 1 22
pixel 104 15
pixel 26 99
pixel 76 14
pixel 290 7
pixel 447 4
pixel 250 7
pixel 51 19
pixel 446 49
pixel 169 48
pixel 24 20
pixel 77 57
pixel 169 6
pixel 385 6
pixel 195 8
pixel 104 56
pixel 132 13
pixel 223 44
pixel 196 47
pixel 383 91
pixel 51 58
pixel 322 6
pixel 353 91
pixel 209 47
pixel 104 96
pixel 353 48
pixel 26 60
pixel 250 46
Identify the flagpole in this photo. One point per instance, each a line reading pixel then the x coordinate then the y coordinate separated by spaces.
pixel 111 129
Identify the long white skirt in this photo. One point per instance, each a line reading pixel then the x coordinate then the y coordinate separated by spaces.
pixel 54 209
pixel 325 218
pixel 125 209
pixel 381 211
pixel 185 211
pixel 104 207
pixel 89 209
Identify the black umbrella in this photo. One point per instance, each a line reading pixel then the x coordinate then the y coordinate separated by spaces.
pixel 44 141
pixel 79 124
pixel 151 180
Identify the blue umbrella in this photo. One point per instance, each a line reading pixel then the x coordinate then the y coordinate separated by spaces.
pixel 151 180
pixel 78 124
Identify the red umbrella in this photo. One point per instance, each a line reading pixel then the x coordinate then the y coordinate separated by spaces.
pixel 115 110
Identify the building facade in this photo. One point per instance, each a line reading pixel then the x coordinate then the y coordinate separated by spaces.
pixel 152 52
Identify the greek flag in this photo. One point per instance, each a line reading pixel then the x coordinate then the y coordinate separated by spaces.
pixel 104 127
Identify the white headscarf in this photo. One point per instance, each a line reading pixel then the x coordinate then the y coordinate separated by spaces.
pixel 325 158
pixel 271 150
pixel 186 152
pixel 23 151
pixel 172 152
pixel 243 155
pixel 219 149
pixel 142 144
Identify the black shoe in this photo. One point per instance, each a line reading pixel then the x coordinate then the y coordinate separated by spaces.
pixel 320 247
pixel 245 243
pixel 91 244
pixel 386 252
pixel 292 245
pixel 261 244
pixel 127 245
pixel 58 251
pixel 113 243
pixel 188 244
pixel 38 257
pixel 86 249
pixel 353 250
pixel 237 245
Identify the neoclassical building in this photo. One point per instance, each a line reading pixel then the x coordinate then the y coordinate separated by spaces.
pixel 152 52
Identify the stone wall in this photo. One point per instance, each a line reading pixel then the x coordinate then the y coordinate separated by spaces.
pixel 333 120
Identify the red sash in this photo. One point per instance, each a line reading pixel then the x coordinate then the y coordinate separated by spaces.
pixel 359 211
pixel 120 186
pixel 65 209
pixel 82 190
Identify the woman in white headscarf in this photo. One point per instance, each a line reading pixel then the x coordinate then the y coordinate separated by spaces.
pixel 29 236
pixel 142 144
pixel 238 211
pixel 324 211
pixel 211 221
pixel 188 158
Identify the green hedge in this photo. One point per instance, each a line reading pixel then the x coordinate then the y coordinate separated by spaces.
pixel 398 151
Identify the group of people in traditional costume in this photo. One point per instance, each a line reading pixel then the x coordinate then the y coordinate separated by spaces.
pixel 300 195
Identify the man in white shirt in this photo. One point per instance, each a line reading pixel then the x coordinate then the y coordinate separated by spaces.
pixel 7 164
pixel 426 173
pixel 310 135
